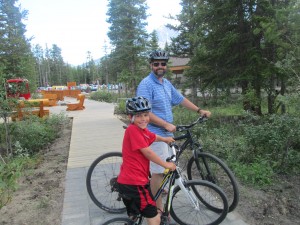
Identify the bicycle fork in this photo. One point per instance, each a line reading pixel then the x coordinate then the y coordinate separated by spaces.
pixel 205 172
pixel 188 193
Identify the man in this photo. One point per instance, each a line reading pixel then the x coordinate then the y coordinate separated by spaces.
pixel 162 95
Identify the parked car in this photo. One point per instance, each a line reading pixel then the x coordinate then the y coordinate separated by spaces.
pixel 94 87
pixel 84 87
pixel 59 88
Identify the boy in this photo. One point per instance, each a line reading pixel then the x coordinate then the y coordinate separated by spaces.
pixel 133 178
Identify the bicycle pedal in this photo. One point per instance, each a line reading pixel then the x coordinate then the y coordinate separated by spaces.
pixel 164 220
pixel 114 184
pixel 167 220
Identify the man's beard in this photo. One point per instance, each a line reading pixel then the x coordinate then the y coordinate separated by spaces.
pixel 159 72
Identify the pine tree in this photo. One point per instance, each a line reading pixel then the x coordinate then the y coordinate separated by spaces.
pixel 238 43
pixel 153 43
pixel 15 52
pixel 128 37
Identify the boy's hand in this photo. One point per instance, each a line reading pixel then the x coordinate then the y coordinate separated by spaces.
pixel 171 166
pixel 168 140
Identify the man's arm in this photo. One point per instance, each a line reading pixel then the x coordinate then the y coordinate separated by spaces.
pixel 191 106
pixel 162 123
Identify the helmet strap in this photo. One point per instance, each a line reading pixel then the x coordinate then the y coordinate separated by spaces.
pixel 132 119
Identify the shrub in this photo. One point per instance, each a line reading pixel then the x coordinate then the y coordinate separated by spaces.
pixel 276 138
pixel 9 174
pixel 255 148
pixel 31 134
pixel 258 173
pixel 29 137
pixel 121 107
pixel 107 96
pixel 102 96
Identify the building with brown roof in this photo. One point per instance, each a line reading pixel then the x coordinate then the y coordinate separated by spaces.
pixel 177 66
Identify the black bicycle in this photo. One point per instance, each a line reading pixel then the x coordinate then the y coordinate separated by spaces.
pixel 200 165
pixel 188 202
pixel 205 166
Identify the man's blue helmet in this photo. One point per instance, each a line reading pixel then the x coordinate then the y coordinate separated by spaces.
pixel 158 55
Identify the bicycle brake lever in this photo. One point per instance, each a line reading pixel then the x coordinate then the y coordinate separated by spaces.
pixel 179 129
pixel 169 159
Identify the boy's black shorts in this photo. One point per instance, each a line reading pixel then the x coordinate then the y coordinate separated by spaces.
pixel 138 200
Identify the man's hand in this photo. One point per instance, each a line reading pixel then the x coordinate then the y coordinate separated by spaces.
pixel 170 127
pixel 204 113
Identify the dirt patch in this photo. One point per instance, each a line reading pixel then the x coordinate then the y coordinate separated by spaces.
pixel 39 199
pixel 275 205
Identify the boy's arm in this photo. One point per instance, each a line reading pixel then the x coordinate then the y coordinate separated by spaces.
pixel 152 156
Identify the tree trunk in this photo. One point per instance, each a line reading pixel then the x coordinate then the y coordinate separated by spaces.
pixel 246 103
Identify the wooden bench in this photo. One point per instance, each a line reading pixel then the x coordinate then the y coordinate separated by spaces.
pixel 59 93
pixel 52 98
pixel 30 107
pixel 77 105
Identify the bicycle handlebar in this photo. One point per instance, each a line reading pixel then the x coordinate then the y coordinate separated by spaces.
pixel 181 128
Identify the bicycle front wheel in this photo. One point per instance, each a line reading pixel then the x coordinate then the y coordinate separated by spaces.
pixel 118 220
pixel 215 170
pixel 186 208
pixel 100 182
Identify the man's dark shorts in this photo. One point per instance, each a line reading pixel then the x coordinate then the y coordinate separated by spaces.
pixel 138 200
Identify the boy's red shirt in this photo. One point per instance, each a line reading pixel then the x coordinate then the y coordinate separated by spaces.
pixel 135 167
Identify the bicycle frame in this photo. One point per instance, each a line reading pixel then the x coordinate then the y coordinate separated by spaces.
pixel 174 179
pixel 190 141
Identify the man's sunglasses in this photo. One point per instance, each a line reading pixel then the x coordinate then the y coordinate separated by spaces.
pixel 156 64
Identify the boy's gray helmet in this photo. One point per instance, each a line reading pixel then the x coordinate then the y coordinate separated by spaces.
pixel 137 104
pixel 158 55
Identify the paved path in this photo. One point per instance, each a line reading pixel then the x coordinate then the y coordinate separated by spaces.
pixel 95 131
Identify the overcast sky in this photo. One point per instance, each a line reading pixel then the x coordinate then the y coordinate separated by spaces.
pixel 79 26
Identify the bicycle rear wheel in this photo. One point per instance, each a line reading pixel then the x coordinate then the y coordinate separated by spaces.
pixel 101 180
pixel 184 212
pixel 215 170
pixel 118 220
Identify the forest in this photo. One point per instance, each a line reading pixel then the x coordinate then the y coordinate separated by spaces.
pixel 251 45
pixel 244 65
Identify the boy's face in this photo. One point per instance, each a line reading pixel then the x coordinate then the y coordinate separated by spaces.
pixel 141 119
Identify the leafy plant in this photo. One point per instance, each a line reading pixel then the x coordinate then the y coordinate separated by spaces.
pixel 9 174
pixel 274 137
pixel 258 173
pixel 29 137
pixel 121 107
pixel 32 134
pixel 255 148
pixel 106 96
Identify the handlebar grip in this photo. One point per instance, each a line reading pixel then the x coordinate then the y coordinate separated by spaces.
pixel 166 171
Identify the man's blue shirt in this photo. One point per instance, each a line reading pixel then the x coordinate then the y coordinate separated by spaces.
pixel 162 97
